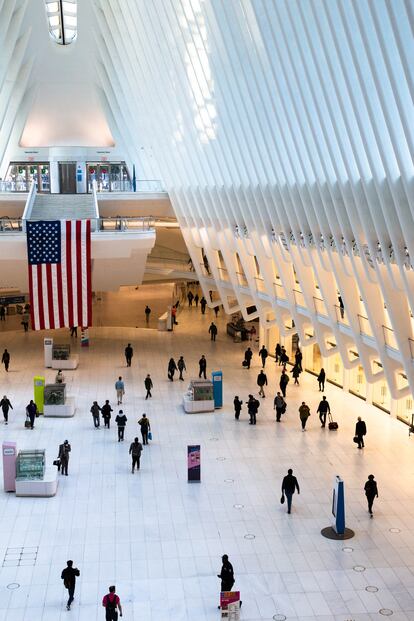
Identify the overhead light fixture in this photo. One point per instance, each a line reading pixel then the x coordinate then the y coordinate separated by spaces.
pixel 62 20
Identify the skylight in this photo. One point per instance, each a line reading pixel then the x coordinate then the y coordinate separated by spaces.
pixel 62 20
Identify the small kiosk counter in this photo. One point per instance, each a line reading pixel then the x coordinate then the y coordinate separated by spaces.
pixel 199 397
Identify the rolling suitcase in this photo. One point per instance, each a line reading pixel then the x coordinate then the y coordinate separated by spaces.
pixel 332 425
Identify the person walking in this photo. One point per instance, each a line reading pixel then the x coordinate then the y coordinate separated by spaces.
pixel 216 310
pixel 278 351
pixel 5 359
pixel 341 306
pixel 120 389
pixel 172 367
pixel 248 355
pixel 289 485
pixel 74 331
pixel 147 312
pixel 263 353
pixel 304 413
pixel 181 367
pixel 190 298
pixel 261 382
pixel 279 404
pixel 112 604
pixel 202 363
pixel 63 455
pixel 196 299
pixel 226 575
pixel 371 491
pixel 25 321
pixel 6 406
pixel 95 411
pixel 31 411
pixel 129 352
pixel 121 421
pixel 237 407
pixel 60 378
pixel 321 380
pixel 106 413
pixel 252 408
pixel 213 331
pixel 298 359
pixel 2 313
pixel 203 304
pixel 283 358
pixel 295 373
pixel 283 382
pixel 145 428
pixel 360 432
pixel 148 386
pixel 135 451
pixel 69 575
pixel 323 409
pixel 174 315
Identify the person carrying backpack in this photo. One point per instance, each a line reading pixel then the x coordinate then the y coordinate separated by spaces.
pixel 111 603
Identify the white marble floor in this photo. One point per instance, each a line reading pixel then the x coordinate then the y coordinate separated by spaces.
pixel 160 539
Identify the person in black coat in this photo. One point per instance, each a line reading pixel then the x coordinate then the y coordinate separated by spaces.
pixel 261 382
pixel 5 406
pixel 263 353
pixel 213 331
pixel 298 358
pixel 248 355
pixel 371 491
pixel 129 352
pixel 237 407
pixel 5 359
pixel 172 367
pixel 106 413
pixel 323 409
pixel 283 382
pixel 289 484
pixel 148 386
pixel 31 411
pixel 252 407
pixel 203 304
pixel 321 380
pixel 69 575
pixel 278 351
pixel 360 432
pixel 202 363
pixel 226 574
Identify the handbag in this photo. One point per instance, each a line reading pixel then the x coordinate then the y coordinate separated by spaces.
pixel 282 499
pixel 150 435
pixel 356 440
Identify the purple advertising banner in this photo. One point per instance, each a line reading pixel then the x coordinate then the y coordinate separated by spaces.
pixel 193 463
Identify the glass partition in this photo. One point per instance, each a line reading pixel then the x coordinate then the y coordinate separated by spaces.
pixel 21 175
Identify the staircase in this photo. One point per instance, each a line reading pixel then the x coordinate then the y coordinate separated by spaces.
pixel 63 207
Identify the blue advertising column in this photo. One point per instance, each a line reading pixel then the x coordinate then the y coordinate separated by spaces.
pixel 338 529
pixel 193 463
pixel 217 377
pixel 338 506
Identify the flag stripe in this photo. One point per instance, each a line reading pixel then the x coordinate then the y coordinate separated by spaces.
pixel 46 324
pixel 50 309
pixel 74 274
pixel 79 287
pixel 55 295
pixel 32 322
pixel 40 297
pixel 64 281
pixel 69 272
pixel 60 295
pixel 88 273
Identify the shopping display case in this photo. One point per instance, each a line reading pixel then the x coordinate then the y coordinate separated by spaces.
pixel 30 465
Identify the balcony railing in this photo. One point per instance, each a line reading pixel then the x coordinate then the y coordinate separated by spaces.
pixel 341 316
pixel 364 325
pixel 320 308
pixel 242 279
pixel 123 224
pixel 260 284
pixel 389 338
pixel 125 185
pixel 11 225
pixel 299 298
pixel 279 291
pixel 14 186
pixel 224 274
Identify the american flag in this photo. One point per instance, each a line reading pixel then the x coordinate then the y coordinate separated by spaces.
pixel 59 256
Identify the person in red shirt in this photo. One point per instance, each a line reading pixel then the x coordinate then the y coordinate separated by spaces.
pixel 111 603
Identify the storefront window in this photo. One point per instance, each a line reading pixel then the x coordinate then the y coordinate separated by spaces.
pixel 109 177
pixel 312 358
pixel 334 370
pixel 381 396
pixel 357 382
pixel 21 175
